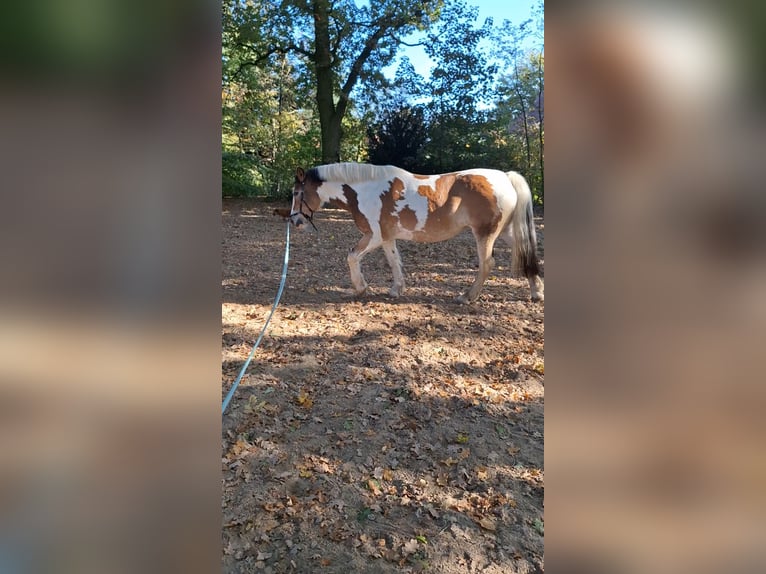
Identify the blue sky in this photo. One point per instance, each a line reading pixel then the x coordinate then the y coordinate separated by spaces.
pixel 514 10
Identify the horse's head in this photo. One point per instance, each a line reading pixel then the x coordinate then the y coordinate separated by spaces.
pixel 305 199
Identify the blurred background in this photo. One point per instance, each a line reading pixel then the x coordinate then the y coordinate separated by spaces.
pixel 656 287
pixel 109 286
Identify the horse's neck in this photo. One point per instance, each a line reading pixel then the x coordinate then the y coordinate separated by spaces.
pixel 332 192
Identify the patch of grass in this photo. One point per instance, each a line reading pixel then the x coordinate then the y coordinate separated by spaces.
pixel 364 514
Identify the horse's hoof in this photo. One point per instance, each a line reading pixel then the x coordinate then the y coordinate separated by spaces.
pixel 463 300
pixel 395 292
pixel 360 292
pixel 538 297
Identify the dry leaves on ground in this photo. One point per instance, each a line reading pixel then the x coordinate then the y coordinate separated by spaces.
pixel 378 434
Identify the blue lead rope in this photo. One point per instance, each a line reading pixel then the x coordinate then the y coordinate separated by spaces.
pixel 263 331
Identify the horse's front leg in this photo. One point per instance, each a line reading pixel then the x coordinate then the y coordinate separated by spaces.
pixel 365 245
pixel 484 247
pixel 395 262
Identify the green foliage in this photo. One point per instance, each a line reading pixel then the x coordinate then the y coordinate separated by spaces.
pixel 520 90
pixel 458 83
pixel 399 138
pixel 244 175
pixel 268 124
pixel 238 177
pixel 520 107
pixel 466 114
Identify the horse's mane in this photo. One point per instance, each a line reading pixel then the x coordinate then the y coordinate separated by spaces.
pixel 357 172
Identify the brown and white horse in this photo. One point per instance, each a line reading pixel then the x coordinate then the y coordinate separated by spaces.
pixel 388 203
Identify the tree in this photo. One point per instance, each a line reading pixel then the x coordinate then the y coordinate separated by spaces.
pixel 459 85
pixel 520 92
pixel 303 83
pixel 398 138
pixel 340 43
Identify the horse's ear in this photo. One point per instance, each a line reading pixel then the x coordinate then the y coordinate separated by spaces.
pixel 300 175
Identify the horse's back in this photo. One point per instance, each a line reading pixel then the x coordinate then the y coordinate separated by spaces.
pixel 438 207
pixel 485 193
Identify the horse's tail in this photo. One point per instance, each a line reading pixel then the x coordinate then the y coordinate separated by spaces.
pixel 522 224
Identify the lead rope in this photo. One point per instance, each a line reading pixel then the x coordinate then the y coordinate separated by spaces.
pixel 263 331
pixel 309 217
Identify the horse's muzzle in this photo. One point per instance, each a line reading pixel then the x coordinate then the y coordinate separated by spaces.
pixel 300 219
pixel 297 220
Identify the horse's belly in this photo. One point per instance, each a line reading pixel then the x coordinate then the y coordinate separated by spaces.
pixel 435 229
pixel 440 224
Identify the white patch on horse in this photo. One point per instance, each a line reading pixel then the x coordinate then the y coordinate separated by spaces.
pixel 370 204
pixel 331 190
pixel 416 202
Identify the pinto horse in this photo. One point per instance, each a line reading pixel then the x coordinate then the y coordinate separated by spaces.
pixel 388 203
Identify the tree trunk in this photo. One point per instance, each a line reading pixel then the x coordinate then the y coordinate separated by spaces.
pixel 329 123
pixel 542 154
pixel 523 105
pixel 540 128
pixel 331 140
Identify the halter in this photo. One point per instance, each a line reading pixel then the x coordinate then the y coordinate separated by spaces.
pixel 309 216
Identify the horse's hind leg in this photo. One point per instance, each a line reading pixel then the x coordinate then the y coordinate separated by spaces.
pixel 484 245
pixel 395 262
pixel 536 285
pixel 365 245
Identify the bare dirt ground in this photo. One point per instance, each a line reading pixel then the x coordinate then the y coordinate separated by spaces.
pixel 376 434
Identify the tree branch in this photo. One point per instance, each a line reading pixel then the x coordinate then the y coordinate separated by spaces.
pixel 356 68
pixel 403 43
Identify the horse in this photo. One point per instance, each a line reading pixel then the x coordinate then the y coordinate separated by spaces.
pixel 388 203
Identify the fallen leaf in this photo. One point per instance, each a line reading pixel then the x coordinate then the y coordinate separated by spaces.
pixel 268 524
pixel 373 486
pixel 304 400
pixel 488 524
pixel 410 547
